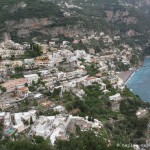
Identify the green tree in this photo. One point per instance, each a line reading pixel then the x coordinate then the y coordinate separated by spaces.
pixel 3 89
pixel 31 121
pixel 12 57
pixel 19 69
pixel 0 58
pixel 37 143
pixel 87 141
pixel 26 84
pixel 92 69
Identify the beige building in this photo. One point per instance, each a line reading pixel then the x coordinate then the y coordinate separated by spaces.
pixel 17 63
pixel 13 84
pixel 3 70
pixel 5 53
pixel 23 91
pixel 4 105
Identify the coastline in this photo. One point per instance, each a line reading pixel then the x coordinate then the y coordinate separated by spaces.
pixel 126 75
pixel 130 75
pixel 139 82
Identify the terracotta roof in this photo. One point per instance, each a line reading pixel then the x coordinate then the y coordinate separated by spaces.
pixel 23 89
pixel 42 61
pixel 13 83
pixel 90 78
pixel 47 103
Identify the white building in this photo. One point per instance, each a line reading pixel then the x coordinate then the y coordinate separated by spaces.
pixel 89 80
pixel 3 70
pixel 55 127
pixel 115 97
pixel 19 117
pixel 31 78
pixel 59 108
pixel 6 53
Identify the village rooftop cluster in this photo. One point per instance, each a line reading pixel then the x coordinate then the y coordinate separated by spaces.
pixel 58 68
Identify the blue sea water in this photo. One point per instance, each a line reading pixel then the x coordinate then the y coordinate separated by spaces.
pixel 139 83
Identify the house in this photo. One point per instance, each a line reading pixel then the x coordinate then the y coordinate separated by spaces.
pixel 29 61
pixel 4 105
pixel 31 78
pixel 79 92
pixel 23 91
pixel 2 79
pixel 45 73
pixel 5 53
pixel 59 108
pixel 102 67
pixel 41 127
pixel 66 14
pixel 38 96
pixel 80 53
pixel 70 85
pixel 79 73
pixel 89 80
pixel 42 60
pixel 13 84
pixel 56 127
pixel 75 41
pixel 103 86
pixel 116 97
pixel 120 83
pixel 72 61
pixel 67 53
pixel 61 76
pixel 11 45
pixel 50 81
pixel 3 70
pixel 7 120
pixel 65 42
pixel 51 43
pixel 47 104
pixel 22 120
pixel 17 63
pixel 141 112
pixel 44 48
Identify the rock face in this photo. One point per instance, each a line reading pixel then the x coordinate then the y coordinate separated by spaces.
pixel 24 19
pixel 120 16
pixel 33 23
pixel 26 26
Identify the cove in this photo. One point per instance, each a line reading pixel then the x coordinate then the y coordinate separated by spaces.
pixel 139 82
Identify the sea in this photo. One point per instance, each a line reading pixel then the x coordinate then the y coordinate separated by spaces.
pixel 139 82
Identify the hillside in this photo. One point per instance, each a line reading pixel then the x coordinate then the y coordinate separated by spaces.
pixel 64 68
pixel 25 20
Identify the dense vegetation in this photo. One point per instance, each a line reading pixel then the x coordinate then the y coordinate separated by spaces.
pixel 33 9
pixel 35 50
pixel 37 143
pixel 92 16
pixel 87 140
